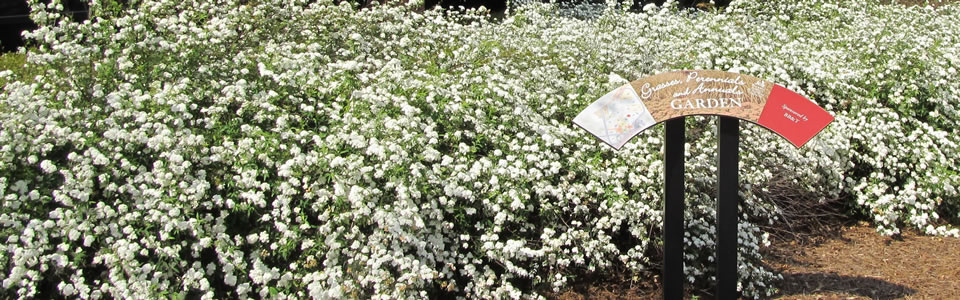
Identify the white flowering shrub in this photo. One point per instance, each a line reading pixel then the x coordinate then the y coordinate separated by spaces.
pixel 295 149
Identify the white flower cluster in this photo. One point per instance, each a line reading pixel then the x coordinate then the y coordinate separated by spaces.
pixel 305 149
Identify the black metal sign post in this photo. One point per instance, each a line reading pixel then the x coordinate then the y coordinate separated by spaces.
pixel 728 156
pixel 673 226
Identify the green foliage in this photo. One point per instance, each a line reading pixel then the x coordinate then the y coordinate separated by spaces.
pixel 17 64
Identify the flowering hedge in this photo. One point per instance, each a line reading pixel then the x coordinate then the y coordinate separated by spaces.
pixel 287 149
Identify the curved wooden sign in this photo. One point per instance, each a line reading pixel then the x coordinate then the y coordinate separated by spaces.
pixel 623 113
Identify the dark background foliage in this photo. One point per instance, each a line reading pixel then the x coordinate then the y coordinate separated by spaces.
pixel 15 18
pixel 14 14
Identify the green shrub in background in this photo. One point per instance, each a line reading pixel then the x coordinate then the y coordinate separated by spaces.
pixel 288 149
pixel 15 63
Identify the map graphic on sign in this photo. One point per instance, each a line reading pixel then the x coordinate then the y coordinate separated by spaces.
pixel 623 113
pixel 616 117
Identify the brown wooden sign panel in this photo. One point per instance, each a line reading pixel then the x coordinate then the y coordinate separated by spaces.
pixel 619 115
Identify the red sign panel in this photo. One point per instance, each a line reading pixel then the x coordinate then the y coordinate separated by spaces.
pixel 793 116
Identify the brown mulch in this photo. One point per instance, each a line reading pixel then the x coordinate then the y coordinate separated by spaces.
pixel 861 264
pixel 853 263
pixel 608 289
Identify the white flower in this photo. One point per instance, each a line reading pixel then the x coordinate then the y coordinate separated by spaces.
pixel 230 280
